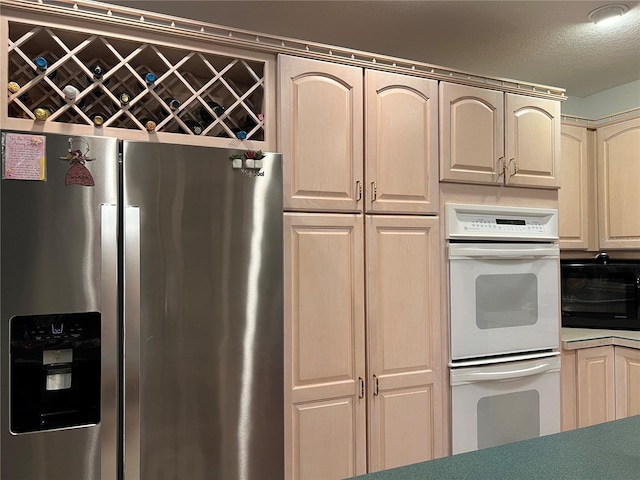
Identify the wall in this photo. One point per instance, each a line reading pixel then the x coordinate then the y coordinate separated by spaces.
pixel 607 102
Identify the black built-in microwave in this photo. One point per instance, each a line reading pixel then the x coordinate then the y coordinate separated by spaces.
pixel 601 293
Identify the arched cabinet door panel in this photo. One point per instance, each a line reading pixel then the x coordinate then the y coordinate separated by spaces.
pixel 532 143
pixel 320 134
pixel 401 143
pixel 471 134
pixel 576 203
pixel 618 179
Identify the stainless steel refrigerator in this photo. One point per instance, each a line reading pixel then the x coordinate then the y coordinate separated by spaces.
pixel 141 304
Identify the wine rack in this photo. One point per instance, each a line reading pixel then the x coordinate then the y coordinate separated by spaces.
pixel 217 95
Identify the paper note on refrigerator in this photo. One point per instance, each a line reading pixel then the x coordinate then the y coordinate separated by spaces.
pixel 24 157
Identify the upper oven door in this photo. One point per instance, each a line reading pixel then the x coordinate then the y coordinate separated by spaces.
pixel 504 298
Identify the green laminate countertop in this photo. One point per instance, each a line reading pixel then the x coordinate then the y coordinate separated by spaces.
pixel 608 451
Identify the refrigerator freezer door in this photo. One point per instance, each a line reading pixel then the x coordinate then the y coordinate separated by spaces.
pixel 58 256
pixel 203 315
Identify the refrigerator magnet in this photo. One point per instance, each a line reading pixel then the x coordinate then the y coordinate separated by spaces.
pixel 23 157
pixel 77 155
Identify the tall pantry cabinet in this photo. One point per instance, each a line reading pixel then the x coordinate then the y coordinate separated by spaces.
pixel 364 378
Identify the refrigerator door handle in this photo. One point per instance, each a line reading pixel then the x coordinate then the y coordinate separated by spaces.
pixel 131 264
pixel 109 340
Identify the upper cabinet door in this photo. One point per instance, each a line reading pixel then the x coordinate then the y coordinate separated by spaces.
pixel 532 142
pixel 320 134
pixel 471 134
pixel 401 143
pixel 574 208
pixel 618 192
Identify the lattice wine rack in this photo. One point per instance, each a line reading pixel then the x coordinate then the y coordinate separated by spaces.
pixel 58 75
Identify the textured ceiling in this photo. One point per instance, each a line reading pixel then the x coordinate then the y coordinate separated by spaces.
pixel 546 42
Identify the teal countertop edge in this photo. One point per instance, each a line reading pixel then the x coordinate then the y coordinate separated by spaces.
pixel 607 451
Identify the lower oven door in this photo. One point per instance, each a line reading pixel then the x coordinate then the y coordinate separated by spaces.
pixel 500 403
pixel 504 298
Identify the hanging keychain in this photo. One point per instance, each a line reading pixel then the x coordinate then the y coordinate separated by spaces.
pixel 78 174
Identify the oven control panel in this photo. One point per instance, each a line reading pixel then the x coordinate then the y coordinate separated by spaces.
pixel 483 222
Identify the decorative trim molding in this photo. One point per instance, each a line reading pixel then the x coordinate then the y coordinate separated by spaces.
pixel 602 121
pixel 105 13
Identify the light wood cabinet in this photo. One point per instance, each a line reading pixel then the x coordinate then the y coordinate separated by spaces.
pixel 329 393
pixel 618 179
pixel 124 81
pixel 599 384
pixel 401 152
pixel 322 128
pixel 325 417
pixel 489 137
pixel 568 395
pixel 320 134
pixel 627 382
pixel 595 390
pixel 403 327
pixel 576 198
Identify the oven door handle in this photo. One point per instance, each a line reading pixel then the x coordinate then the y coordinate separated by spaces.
pixel 508 253
pixel 481 374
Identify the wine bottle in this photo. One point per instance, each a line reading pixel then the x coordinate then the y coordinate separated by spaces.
pixel 240 133
pixel 98 72
pixel 43 112
pixel 194 126
pixel 249 123
pixel 173 106
pixel 124 98
pixel 100 117
pixel 70 93
pixel 206 117
pixel 150 79
pixel 41 63
pixel 149 124
pixel 13 87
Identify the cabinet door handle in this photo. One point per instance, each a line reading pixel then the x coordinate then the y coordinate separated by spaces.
pixel 361 387
pixel 359 190
pixel 502 167
pixel 376 390
pixel 515 166
pixel 374 191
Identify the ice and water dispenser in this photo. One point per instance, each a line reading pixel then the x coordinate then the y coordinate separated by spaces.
pixel 55 371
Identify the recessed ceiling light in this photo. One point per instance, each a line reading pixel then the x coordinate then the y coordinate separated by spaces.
pixel 607 14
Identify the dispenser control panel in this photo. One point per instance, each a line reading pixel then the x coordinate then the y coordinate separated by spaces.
pixel 55 371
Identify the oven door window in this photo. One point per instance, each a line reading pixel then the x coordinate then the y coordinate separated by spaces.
pixel 516 304
pixel 507 418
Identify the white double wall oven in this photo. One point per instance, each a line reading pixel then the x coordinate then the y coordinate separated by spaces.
pixel 504 322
